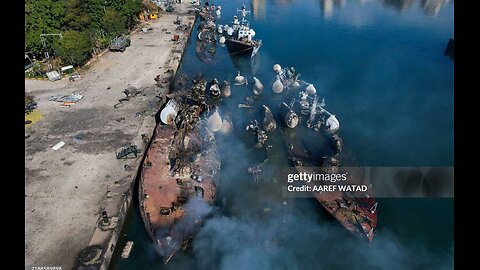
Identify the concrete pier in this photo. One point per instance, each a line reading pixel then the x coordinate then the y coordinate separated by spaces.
pixel 66 190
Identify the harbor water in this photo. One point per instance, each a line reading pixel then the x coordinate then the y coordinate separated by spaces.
pixel 380 66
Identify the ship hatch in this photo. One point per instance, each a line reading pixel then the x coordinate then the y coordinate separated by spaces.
pixel 199 191
pixel 165 211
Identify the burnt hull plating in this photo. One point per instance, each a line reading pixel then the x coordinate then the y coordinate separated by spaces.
pixel 356 212
pixel 173 195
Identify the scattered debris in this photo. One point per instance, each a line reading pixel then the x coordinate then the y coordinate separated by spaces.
pixel 54 75
pixel 132 91
pixel 255 171
pixel 78 138
pixel 261 138
pixel 67 100
pixel 30 105
pixel 127 152
pixel 58 145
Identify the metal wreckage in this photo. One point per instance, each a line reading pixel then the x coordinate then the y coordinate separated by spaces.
pixel 181 170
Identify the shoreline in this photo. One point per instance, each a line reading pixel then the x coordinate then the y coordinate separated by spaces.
pixel 66 190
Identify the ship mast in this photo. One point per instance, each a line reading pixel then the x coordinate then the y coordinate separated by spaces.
pixel 244 12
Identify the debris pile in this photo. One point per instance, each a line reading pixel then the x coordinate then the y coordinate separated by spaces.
pixel 30 104
pixel 66 100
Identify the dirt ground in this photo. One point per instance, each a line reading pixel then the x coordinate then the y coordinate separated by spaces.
pixel 65 189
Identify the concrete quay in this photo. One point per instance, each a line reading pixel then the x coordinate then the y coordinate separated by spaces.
pixel 67 189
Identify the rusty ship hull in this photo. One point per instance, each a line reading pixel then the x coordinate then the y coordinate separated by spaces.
pixel 356 212
pixel 178 182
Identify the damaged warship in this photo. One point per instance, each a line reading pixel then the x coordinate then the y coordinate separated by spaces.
pixel 180 172
pixel 206 42
pixel 239 37
pixel 309 133
pixel 302 134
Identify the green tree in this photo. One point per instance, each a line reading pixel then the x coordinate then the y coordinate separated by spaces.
pixel 130 11
pixel 112 22
pixel 96 10
pixel 74 48
pixel 76 17
pixel 42 17
pixel 86 21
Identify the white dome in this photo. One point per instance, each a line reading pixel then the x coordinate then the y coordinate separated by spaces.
pixel 239 79
pixel 311 89
pixel 214 122
pixel 332 123
pixel 277 68
pixel 252 32
pixel 277 86
pixel 230 31
pixel 222 40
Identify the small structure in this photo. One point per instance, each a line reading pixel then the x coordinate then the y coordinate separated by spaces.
pixel 74 75
pixel 54 75
pixel 119 44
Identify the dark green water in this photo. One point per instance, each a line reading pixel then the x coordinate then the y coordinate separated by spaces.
pixel 380 66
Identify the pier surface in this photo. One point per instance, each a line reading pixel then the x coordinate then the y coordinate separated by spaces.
pixel 67 189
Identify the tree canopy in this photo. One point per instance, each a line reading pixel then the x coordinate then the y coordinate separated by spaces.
pixel 81 22
pixel 74 47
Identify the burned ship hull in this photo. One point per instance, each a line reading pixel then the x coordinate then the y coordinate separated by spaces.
pixel 356 212
pixel 178 179
pixel 313 144
pixel 206 45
